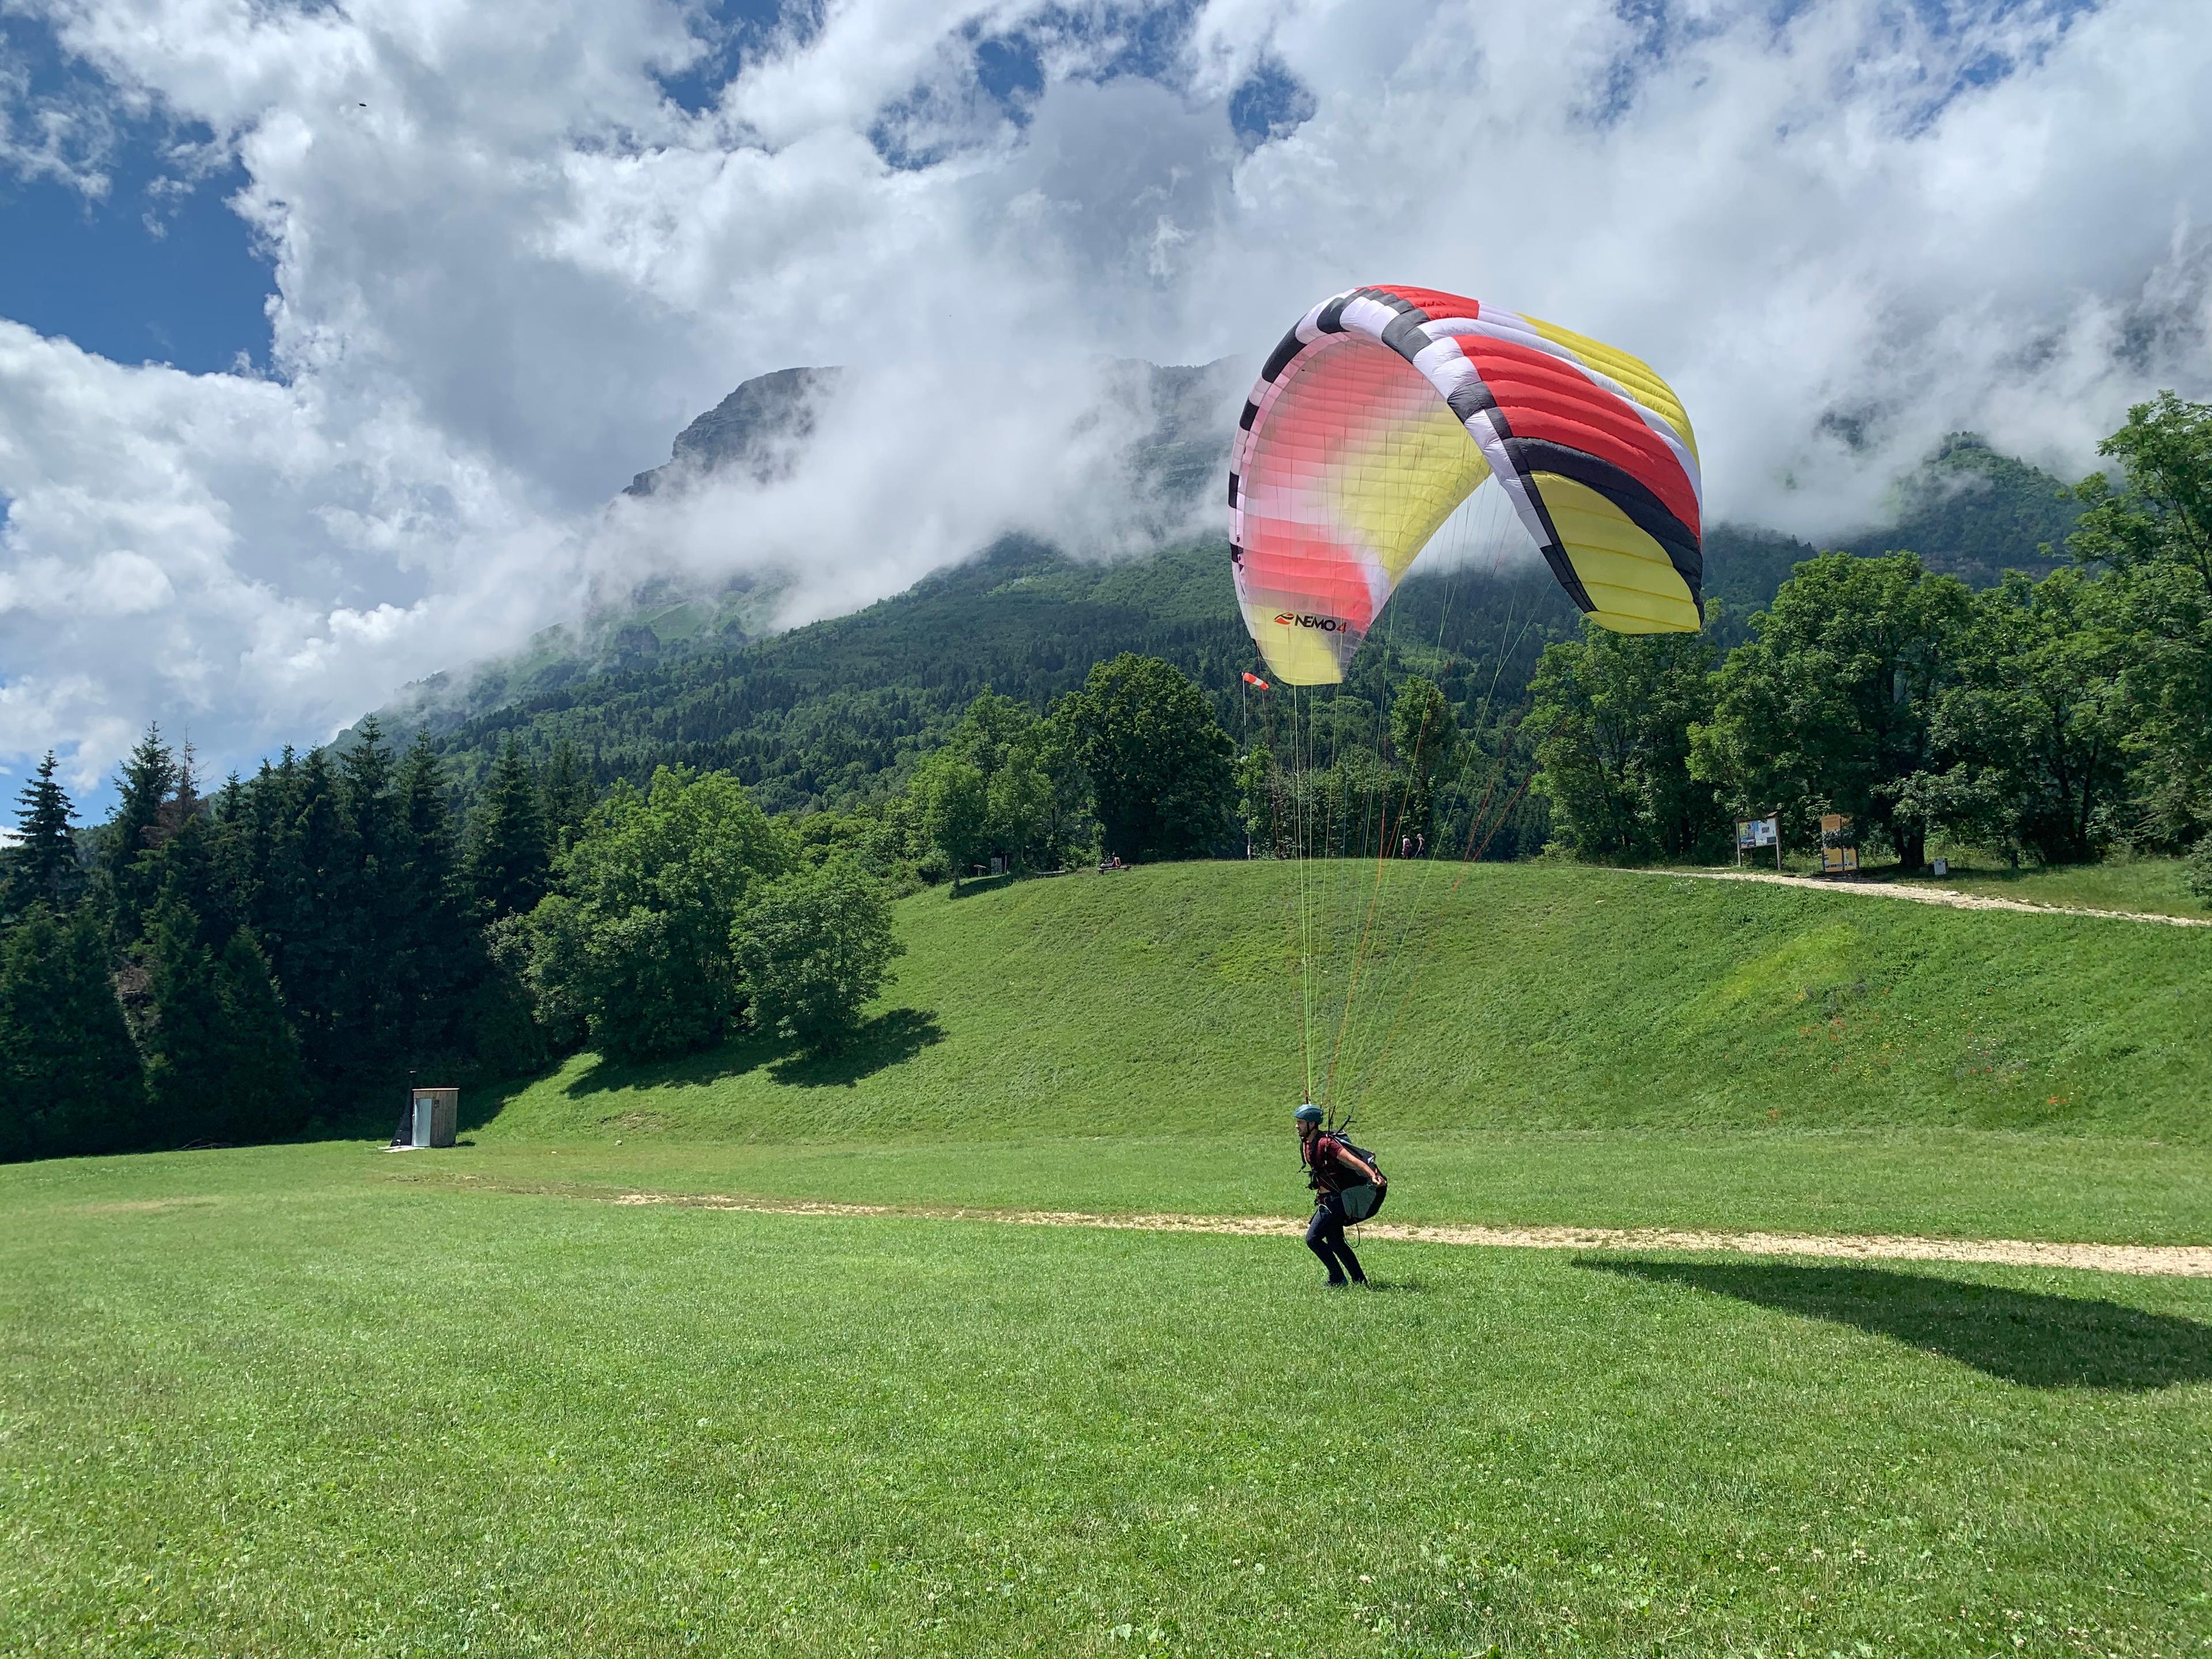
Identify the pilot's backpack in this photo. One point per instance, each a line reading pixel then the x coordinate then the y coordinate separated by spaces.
pixel 1360 1203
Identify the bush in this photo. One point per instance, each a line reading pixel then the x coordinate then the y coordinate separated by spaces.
pixel 2199 873
pixel 815 948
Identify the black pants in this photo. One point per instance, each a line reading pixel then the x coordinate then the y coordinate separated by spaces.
pixel 1325 1238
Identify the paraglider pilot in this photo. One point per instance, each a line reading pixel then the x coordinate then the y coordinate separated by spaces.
pixel 1331 1166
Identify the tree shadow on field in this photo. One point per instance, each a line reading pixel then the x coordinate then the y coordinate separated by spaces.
pixel 703 1066
pixel 2027 1337
pixel 976 886
pixel 895 1035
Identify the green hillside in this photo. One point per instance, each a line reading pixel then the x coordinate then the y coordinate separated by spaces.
pixel 1976 514
pixel 1534 997
pixel 520 1396
pixel 838 709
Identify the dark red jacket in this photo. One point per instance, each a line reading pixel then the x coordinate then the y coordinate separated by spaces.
pixel 1328 1170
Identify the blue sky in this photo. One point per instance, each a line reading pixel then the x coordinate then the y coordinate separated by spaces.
pixel 373 308
pixel 156 267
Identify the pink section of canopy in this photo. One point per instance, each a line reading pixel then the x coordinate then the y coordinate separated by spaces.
pixel 1329 421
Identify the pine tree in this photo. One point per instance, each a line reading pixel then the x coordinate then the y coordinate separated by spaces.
pixel 568 795
pixel 183 804
pixel 385 927
pixel 185 867
pixel 236 854
pixel 223 1061
pixel 365 773
pixel 42 866
pixel 143 788
pixel 184 1081
pixel 70 1077
pixel 310 910
pixel 438 948
pixel 507 853
pixel 257 1052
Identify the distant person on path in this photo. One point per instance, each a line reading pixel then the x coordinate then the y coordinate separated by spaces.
pixel 1331 1166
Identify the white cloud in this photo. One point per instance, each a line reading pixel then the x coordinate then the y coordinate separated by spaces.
pixel 510 267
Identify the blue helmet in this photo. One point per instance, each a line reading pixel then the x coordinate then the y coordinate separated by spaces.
pixel 1308 1113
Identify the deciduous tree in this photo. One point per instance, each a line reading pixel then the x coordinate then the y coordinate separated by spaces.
pixel 2153 533
pixel 1159 761
pixel 1614 713
pixel 815 947
pixel 636 943
pixel 1425 741
pixel 1827 707
pixel 2029 737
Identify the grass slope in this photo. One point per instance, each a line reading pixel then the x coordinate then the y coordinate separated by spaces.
pixel 1524 998
pixel 251 1405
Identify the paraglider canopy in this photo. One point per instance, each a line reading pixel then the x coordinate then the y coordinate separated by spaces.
pixel 1385 408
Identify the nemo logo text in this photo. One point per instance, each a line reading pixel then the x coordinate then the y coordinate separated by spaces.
pixel 1302 619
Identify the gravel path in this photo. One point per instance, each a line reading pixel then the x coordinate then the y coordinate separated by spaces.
pixel 1919 895
pixel 2169 1260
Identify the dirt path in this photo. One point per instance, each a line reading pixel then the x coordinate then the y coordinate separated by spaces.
pixel 2168 1260
pixel 1919 895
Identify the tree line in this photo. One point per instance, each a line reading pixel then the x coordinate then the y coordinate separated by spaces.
pixel 215 969
pixel 2050 717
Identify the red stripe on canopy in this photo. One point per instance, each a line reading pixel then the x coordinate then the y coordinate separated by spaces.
pixel 1435 301
pixel 1543 397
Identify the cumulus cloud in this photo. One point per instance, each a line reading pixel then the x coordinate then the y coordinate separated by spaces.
pixel 512 261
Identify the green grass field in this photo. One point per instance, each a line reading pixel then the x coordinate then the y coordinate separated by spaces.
pixel 319 1398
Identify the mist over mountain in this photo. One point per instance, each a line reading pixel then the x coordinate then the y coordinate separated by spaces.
pixel 705 674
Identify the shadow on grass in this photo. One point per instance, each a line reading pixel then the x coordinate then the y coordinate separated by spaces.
pixel 2023 1336
pixel 479 1105
pixel 705 1066
pixel 893 1037
pixel 975 886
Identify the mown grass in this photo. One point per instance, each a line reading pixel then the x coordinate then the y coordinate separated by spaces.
pixel 1524 998
pixel 274 1407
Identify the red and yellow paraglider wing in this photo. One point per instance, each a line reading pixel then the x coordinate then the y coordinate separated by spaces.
pixel 1386 407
